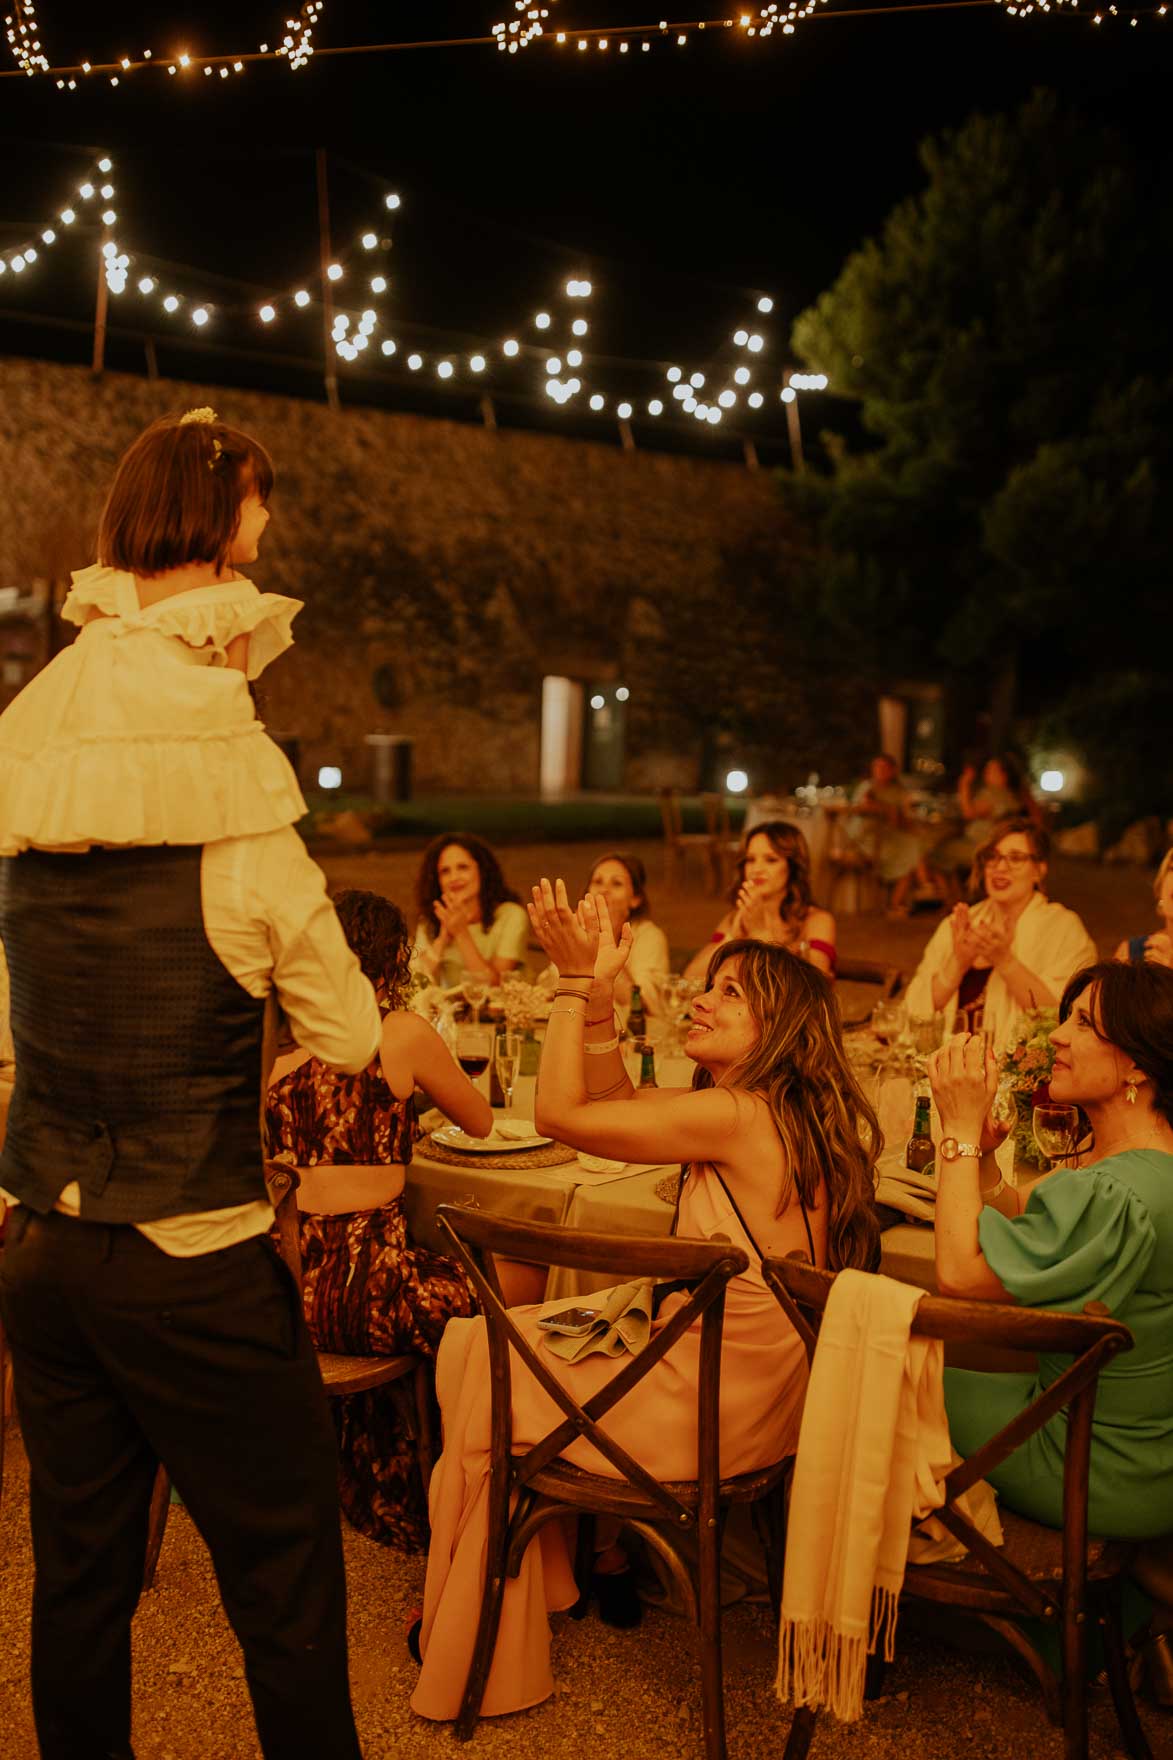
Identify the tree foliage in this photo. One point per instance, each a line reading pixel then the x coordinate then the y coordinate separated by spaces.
pixel 1009 505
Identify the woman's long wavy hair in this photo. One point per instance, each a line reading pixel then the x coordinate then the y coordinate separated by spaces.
pixel 788 841
pixel 494 891
pixel 829 1132
pixel 376 932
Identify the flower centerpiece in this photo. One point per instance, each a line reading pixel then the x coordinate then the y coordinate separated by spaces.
pixel 523 1005
pixel 1024 1073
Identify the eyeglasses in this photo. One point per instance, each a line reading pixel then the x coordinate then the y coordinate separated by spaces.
pixel 1013 858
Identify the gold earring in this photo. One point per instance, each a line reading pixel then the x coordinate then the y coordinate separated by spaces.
pixel 1130 1093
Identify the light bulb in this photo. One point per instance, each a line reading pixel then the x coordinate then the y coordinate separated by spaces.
pixel 542 320
pixel 598 402
pixel 689 403
pixel 369 241
pixel 18 262
pixel 67 216
pixel 754 345
pixel 741 376
pixel 553 365
pixel 391 202
pixel 378 284
pixel 727 399
pixel 48 236
pixel 30 255
pixel 574 358
pixel 301 298
pixel 673 375
pixel 697 381
pixel 85 190
pixel 171 304
pixel 334 272
pixel 266 314
pixel 388 347
pixel 199 317
pixel 754 400
pixel 146 285
pixel 444 369
pixel 714 416
pixel 369 319
pixel 622 694
pixel 624 412
pixel 105 165
pixel 788 394
pixel 580 327
pixel 106 191
pixel 510 348
pixel 655 408
pixel 478 363
pixel 584 290
pixel 765 305
pixel 415 362
pixel 109 217
pixel 741 337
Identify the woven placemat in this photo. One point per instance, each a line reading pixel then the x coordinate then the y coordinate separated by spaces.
pixel 549 1155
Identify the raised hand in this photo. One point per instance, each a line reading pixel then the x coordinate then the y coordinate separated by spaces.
pixel 570 941
pixel 993 940
pixel 612 955
pixel 963 1075
pixel 1158 949
pixel 966 946
pixel 453 918
pixel 753 917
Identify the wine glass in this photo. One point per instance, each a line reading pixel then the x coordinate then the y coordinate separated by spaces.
pixel 474 1047
pixel 507 1056
pixel 1055 1130
pixel 476 993
pixel 926 1031
pixel 888 1024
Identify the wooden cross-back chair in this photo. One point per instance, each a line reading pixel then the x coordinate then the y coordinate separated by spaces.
pixel 678 842
pixel 1058 1576
pixel 541 1485
pixel 408 1378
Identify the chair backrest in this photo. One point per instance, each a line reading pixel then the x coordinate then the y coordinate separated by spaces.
pixel 281 1183
pixel 670 816
pixel 716 809
pixel 1091 1339
pixel 704 1267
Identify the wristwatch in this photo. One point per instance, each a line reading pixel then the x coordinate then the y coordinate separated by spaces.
pixel 952 1150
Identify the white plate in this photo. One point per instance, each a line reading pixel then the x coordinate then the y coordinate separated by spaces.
pixel 452 1137
pixel 600 1164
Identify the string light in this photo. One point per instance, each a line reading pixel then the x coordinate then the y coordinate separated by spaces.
pixel 23 39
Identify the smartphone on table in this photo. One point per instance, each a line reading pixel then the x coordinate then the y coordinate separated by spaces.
pixel 575 1322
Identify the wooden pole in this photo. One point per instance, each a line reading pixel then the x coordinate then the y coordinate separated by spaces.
pixel 488 413
pixel 327 284
pixel 98 363
pixel 751 455
pixel 794 429
pixel 152 357
pixel 626 436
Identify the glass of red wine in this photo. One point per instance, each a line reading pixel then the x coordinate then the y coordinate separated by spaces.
pixel 474 1048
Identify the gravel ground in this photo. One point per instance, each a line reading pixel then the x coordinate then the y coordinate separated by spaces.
pixel 635 1695
pixel 618 1694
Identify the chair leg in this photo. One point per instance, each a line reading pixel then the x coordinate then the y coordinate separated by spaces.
pixel 802 1729
pixel 1135 1739
pixel 156 1525
pixel 482 1655
pixel 769 1520
pixel 425 1431
pixel 712 1681
pixel 1073 1687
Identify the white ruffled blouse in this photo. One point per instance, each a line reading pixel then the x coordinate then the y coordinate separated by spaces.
pixel 139 732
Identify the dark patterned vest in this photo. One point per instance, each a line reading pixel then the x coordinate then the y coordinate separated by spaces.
pixel 138 1055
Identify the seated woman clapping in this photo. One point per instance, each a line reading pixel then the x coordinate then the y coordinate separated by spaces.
pixel 1100 1232
pixel 470 924
pixel 778 1145
pixel 771 901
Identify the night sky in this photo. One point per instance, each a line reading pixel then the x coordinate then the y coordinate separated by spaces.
pixel 684 182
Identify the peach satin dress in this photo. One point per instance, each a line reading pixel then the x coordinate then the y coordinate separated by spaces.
pixel 763 1380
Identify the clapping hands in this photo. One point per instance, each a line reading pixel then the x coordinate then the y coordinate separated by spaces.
pixel 454 918
pixel 753 917
pixel 579 940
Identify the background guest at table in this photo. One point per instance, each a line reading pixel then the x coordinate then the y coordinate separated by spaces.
pixel 621 880
pixel 1157 947
pixel 1012 951
pixel 1001 794
pixel 368 1290
pixel 779 1145
pixel 883 799
pixel 1102 1232
pixel 771 901
pixel 470 922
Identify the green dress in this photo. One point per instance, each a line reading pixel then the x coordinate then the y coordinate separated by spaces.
pixel 1102 1234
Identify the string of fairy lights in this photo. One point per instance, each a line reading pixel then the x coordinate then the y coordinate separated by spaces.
pixel 510 35
pixel 552 341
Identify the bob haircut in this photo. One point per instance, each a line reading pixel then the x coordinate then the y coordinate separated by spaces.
pixel 786 840
pixel 376 932
pixel 636 873
pixel 177 494
pixel 1135 1008
pixel 1021 826
pixel 798 1067
pixel 494 891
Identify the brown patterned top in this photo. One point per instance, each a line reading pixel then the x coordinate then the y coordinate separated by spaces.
pixel 319 1117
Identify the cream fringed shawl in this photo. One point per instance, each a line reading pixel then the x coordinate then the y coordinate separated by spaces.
pixel 873 1445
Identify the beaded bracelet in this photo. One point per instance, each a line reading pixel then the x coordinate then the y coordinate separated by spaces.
pixel 601 1050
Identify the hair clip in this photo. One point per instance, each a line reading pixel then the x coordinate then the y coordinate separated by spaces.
pixel 198 415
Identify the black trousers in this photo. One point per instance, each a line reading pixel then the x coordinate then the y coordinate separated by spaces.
pixel 124 1356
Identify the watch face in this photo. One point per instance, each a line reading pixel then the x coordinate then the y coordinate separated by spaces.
pixel 949 1149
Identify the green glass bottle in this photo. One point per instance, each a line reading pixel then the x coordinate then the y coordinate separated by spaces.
pixel 920 1151
pixel 637 1020
pixel 647 1066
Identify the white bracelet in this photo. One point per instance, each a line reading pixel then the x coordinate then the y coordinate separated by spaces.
pixel 601 1050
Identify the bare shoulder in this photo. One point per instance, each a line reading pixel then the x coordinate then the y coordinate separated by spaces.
pixel 819 925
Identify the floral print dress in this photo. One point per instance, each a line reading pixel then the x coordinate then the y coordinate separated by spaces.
pixel 368 1291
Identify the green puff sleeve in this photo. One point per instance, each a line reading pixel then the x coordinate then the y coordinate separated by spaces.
pixel 1083 1237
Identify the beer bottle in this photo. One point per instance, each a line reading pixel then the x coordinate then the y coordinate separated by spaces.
pixel 637 1020
pixel 920 1151
pixel 647 1066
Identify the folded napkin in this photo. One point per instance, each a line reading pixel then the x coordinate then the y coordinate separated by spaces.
pixel 518 1130
pixel 600 1164
pixel 624 1324
pixel 902 1189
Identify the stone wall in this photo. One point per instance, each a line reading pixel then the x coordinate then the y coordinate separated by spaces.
pixel 446 569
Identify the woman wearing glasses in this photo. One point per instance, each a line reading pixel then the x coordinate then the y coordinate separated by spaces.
pixel 1012 950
